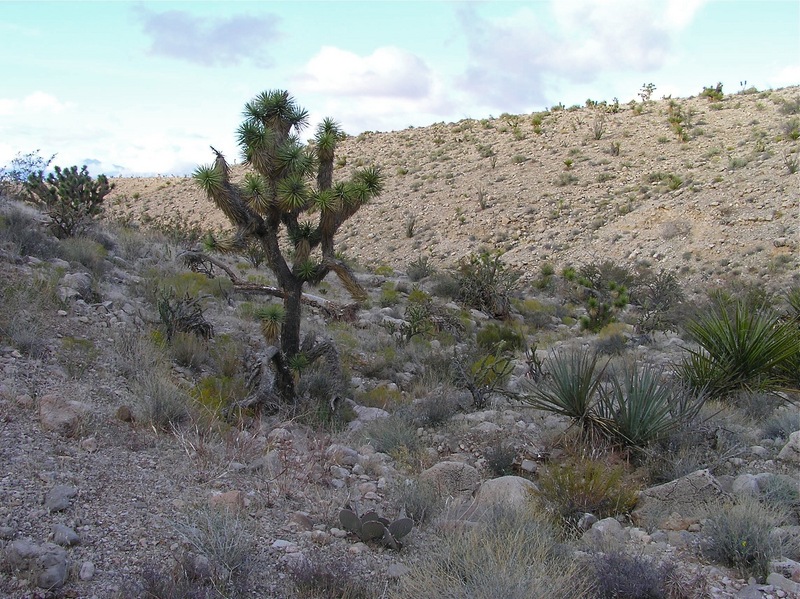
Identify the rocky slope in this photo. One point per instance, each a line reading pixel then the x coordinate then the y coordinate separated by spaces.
pixel 709 194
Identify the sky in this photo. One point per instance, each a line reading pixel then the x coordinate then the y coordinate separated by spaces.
pixel 143 88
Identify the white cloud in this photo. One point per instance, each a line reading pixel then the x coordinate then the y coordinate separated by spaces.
pixel 514 61
pixel 37 103
pixel 387 72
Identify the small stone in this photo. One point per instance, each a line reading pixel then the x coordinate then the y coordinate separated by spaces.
pixel 302 520
pixel 6 533
pixel 125 414
pixel 280 544
pixel 230 499
pixel 320 537
pixel 60 415
pixel 89 444
pixel 87 571
pixel 52 566
pixel 528 466
pixel 58 499
pixel 65 536
pixel 397 570
pixel 338 533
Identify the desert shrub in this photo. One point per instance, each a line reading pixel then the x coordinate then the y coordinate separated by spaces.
pixel 611 344
pixel 21 229
pixel 227 355
pixel 418 498
pixel 492 334
pixel 483 373
pixel 195 284
pixel 781 492
pixel 739 536
pixel 445 285
pixel 620 575
pixel 320 577
pixel 183 315
pixel 389 295
pixel 781 425
pixel 135 353
pixel 437 408
pixel 187 349
pixel 14 175
pixel 510 554
pixel 740 348
pixel 218 393
pixel 658 297
pixel 485 283
pixel 77 355
pixel 159 402
pixel 224 537
pixel 392 434
pixel 27 305
pixel 71 198
pixel 567 491
pixel 419 269
pixel 164 583
pixel 714 93
pixel 500 456
pixel 87 252
pixel 756 406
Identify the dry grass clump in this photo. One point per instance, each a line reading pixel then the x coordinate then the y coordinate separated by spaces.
pixel 739 535
pixel 28 306
pixel 320 577
pixel 512 554
pixel 620 575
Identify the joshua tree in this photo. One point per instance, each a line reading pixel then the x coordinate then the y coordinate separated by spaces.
pixel 289 192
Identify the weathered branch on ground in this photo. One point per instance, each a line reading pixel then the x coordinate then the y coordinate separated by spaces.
pixel 334 310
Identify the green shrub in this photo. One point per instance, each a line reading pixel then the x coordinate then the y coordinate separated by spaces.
pixel 485 283
pixel 446 286
pixel 187 349
pixel 218 393
pixel 739 536
pixel 714 94
pixel 569 490
pixel 419 269
pixel 492 334
pixel 389 435
pixel 389 295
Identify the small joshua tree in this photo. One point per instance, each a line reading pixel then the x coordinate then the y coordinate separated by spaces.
pixel 288 195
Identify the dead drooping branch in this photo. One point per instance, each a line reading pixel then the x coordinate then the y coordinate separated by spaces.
pixel 198 262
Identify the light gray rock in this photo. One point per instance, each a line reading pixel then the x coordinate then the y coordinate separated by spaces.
pixel 76 284
pixel 61 415
pixel 689 496
pixel 58 499
pixel 87 571
pixel 607 529
pixel 63 535
pixel 745 484
pixel 397 570
pixel 453 479
pixel 781 582
pixel 791 451
pixel 506 491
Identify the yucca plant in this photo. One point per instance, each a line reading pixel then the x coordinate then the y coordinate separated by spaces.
pixel 289 199
pixel 740 349
pixel 570 388
pixel 638 409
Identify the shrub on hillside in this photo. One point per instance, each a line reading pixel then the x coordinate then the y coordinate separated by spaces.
pixel 485 283
pixel 70 197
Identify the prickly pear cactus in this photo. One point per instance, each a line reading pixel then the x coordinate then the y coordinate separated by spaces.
pixel 372 527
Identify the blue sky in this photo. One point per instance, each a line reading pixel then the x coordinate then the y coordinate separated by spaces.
pixel 145 87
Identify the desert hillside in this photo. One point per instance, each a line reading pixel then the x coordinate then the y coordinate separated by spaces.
pixel 706 188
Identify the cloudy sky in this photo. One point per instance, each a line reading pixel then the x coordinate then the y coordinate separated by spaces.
pixel 145 87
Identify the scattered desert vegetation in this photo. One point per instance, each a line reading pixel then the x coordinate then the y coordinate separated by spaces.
pixel 565 385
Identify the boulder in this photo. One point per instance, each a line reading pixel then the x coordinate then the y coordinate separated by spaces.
pixel 453 479
pixel 61 415
pixel 46 565
pixel 689 496
pixel 791 451
pixel 507 491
